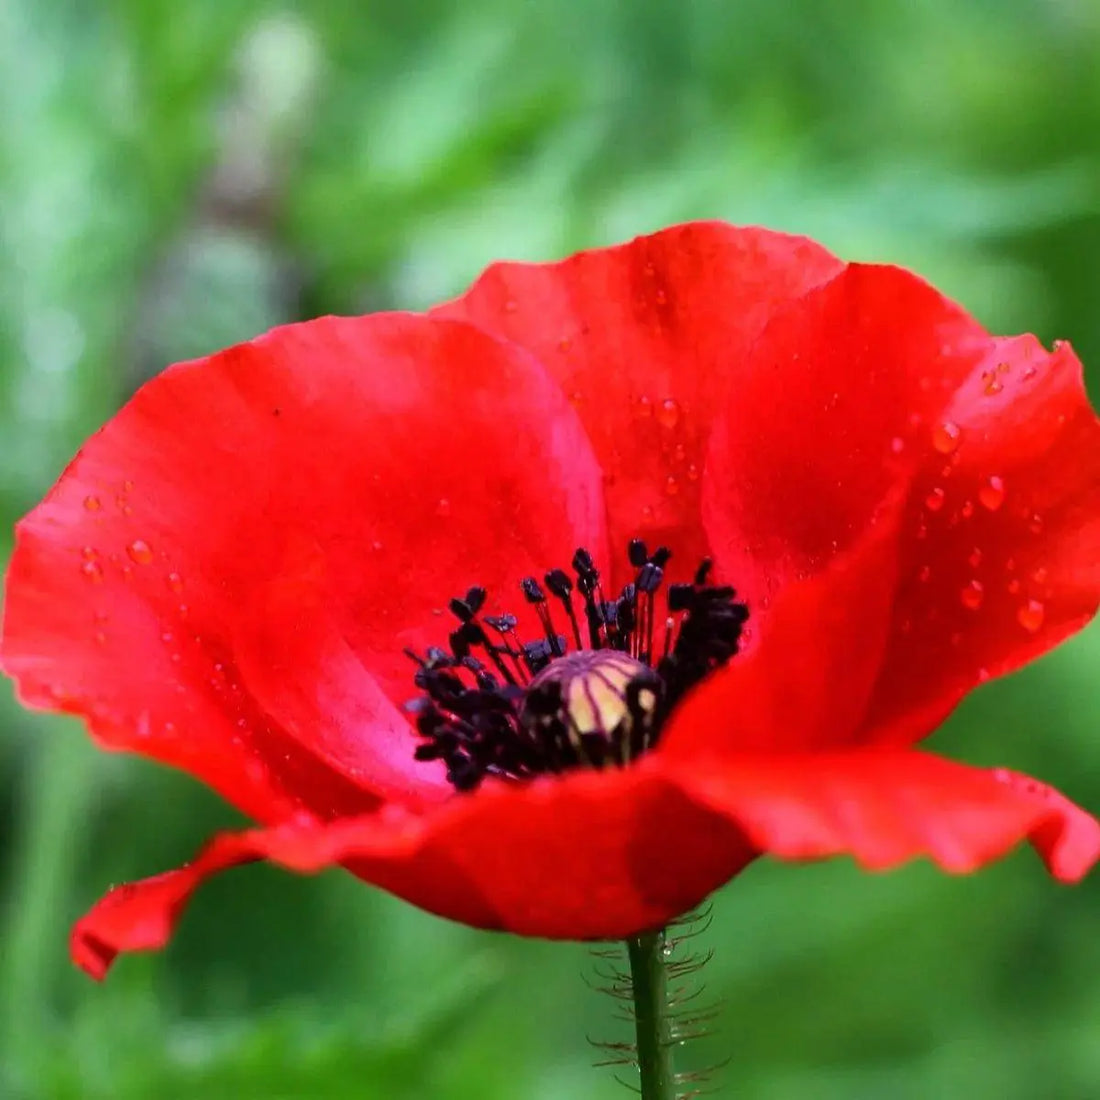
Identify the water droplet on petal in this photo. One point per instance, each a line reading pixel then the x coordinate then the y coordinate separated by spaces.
pixel 1040 574
pixel 174 582
pixel 89 553
pixel 644 407
pixel 972 595
pixel 992 493
pixel 1035 524
pixel 897 445
pixel 672 486
pixel 1013 586
pixel 945 437
pixel 376 546
pixel 934 501
pixel 443 507
pixel 92 503
pixel 1029 373
pixel 975 557
pixel 1030 615
pixel 576 398
pixel 692 472
pixel 93 571
pixel 100 638
pixel 140 552
pixel 924 573
pixel 668 413
pixel 967 509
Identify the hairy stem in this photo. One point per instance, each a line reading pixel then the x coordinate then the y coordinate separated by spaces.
pixel 650 980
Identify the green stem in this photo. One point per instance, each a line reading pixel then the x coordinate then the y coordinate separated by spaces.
pixel 654 1038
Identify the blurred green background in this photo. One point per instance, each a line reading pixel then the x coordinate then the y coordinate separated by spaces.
pixel 177 176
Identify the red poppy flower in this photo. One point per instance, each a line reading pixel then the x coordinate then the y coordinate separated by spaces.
pixel 231 575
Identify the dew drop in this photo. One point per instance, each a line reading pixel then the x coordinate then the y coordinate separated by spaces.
pixel 140 552
pixel 167 637
pixel 975 558
pixel 1004 368
pixel 1013 586
pixel 376 546
pixel 972 595
pixel 992 493
pixel 174 582
pixel 924 573
pixel 647 512
pixel 1030 615
pixel 576 398
pixel 1040 574
pixel 89 553
pixel 92 503
pixel 692 472
pixel 443 508
pixel 644 407
pixel 967 509
pixel 1035 524
pixel 100 637
pixel 993 386
pixel 934 501
pixel 672 486
pixel 93 571
pixel 668 413
pixel 1029 373
pixel 983 674
pixel 897 445
pixel 945 437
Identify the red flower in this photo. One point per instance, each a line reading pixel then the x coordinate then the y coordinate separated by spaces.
pixel 226 577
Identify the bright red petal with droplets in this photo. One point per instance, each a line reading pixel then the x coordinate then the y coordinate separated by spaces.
pixel 224 577
pixel 884 807
pixel 606 855
pixel 589 856
pixel 1001 555
pixel 823 425
pixel 647 339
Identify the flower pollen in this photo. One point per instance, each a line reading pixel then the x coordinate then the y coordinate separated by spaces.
pixel 493 705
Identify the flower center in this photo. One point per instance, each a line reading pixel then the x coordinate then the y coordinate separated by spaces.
pixel 493 705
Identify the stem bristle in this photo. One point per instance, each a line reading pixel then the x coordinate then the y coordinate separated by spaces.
pixel 683 1018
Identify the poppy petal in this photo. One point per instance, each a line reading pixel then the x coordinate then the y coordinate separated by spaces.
pixel 886 806
pixel 821 426
pixel 809 662
pixel 306 501
pixel 647 338
pixel 587 856
pixel 1001 559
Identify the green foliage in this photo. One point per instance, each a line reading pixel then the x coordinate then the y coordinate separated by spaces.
pixel 178 176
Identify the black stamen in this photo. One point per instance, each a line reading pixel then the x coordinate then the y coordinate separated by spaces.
pixel 552 709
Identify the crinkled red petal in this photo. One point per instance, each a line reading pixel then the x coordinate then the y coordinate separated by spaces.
pixel 823 425
pixel 648 339
pixel 588 856
pixel 608 855
pixel 225 576
pixel 886 806
pixel 1000 558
